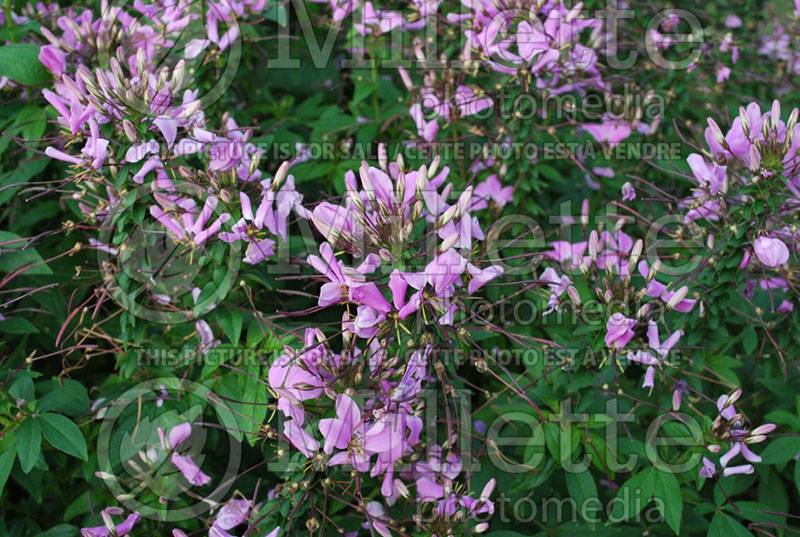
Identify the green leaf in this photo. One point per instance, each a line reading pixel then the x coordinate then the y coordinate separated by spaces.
pixel 29 443
pixel 62 530
pixel 20 63
pixel 60 397
pixel 581 487
pixel 13 256
pixel 6 463
pixel 725 526
pixel 749 338
pixel 668 492
pixel 19 176
pixel 79 506
pixel 63 434
pixel 18 325
pixel 781 450
pixel 797 475
pixel 276 12
pixel 634 494
pixel 231 322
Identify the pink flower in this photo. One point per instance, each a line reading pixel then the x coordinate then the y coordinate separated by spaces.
pixel 771 252
pixel 491 189
pixel 190 470
pixel 339 431
pixel 619 331
pixel 732 21
pixel 121 530
pixel 611 131
pixel 482 277
pixel 657 289
pixel 54 59
pixel 723 73
pixel 661 349
pixel 178 434
pixel 376 516
pixel 300 438
pixel 708 470
pixel 628 193
pixel 232 514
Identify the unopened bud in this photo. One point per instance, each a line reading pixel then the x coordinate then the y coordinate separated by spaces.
pixel 463 200
pixel 593 244
pixel 449 242
pixel 448 215
pixel 130 130
pixel 636 251
pixel 141 61
pixel 745 120
pixel 574 295
pixel 280 175
pixel 775 116
pixel 574 12
pixel 382 156
pixel 716 132
pixel 434 167
pixel 679 295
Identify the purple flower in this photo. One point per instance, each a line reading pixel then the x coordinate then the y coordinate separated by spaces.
pixel 619 331
pixel 190 470
pixel 249 228
pixel 613 132
pixel 338 431
pixel 376 517
pixel 290 380
pixel 657 289
pixel 771 252
pixel 54 59
pixel 191 228
pixel 120 530
pixel 661 349
pixel 300 438
pixel 491 189
pixel 482 277
pixel 628 193
pixel 708 470
pixel 232 514
pixel 178 434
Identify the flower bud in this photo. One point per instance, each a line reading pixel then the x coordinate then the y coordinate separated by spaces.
pixel 434 166
pixel 130 130
pixel 401 488
pixel 448 215
pixel 464 199
pixel 382 156
pixel 764 429
pixel 745 121
pixel 593 243
pixel 280 175
pixel 679 295
pixel 449 242
pixel 636 251
pixel 717 132
pixel 775 116
pixel 177 75
pixel 574 12
pixel 574 295
pixel 141 61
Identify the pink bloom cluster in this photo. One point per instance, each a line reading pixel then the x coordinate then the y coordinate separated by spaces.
pixel 731 426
